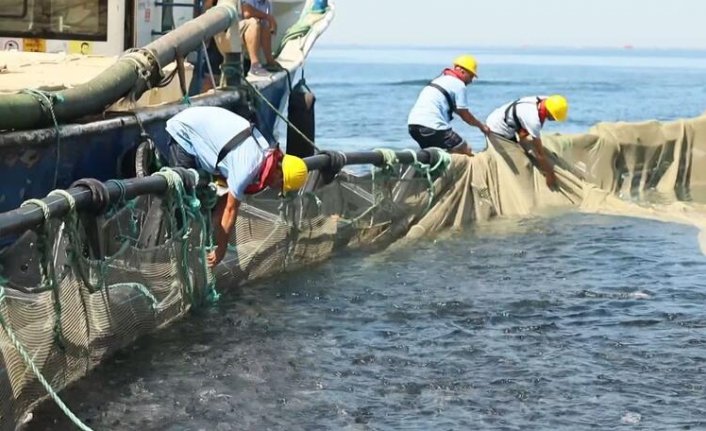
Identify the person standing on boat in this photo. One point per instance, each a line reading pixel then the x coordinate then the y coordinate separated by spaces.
pixel 225 144
pixel 522 121
pixel 428 121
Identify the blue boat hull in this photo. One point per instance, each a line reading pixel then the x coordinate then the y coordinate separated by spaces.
pixel 35 162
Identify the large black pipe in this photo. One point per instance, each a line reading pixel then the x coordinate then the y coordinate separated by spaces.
pixel 42 137
pixel 22 111
pixel 27 217
pixel 323 161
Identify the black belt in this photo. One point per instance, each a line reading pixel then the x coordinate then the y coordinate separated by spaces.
pixel 234 142
pixel 450 100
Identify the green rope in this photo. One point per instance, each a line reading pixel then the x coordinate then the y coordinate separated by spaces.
pixel 48 276
pixel 140 288
pixel 46 267
pixel 389 156
pixel 189 206
pixel 299 29
pixel 280 115
pixel 73 253
pixel 73 250
pixel 175 202
pixel 313 196
pixel 47 101
pixel 427 170
pixel 28 361
pixel 123 203
pixel 209 199
pixel 386 171
pixel 444 160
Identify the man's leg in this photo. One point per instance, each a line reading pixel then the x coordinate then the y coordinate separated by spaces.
pixel 456 144
pixel 444 139
pixel 250 32
pixel 462 149
pixel 266 43
pixel 416 135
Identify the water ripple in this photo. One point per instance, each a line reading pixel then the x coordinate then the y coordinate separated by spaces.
pixel 560 323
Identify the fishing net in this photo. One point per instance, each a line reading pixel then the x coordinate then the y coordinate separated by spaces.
pixel 77 289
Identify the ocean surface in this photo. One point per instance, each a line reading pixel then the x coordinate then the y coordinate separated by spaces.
pixel 568 321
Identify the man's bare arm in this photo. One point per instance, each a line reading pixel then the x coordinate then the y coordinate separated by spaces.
pixel 543 162
pixel 224 220
pixel 470 119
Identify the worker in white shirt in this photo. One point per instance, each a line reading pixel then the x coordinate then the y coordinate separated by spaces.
pixel 522 120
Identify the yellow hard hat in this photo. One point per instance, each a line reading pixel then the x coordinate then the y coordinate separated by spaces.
pixel 294 173
pixel 468 62
pixel 557 106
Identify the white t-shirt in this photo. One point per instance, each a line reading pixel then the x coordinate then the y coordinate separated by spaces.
pixel 431 109
pixel 527 113
pixel 203 131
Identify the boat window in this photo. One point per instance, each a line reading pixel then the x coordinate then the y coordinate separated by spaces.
pixel 54 19
pixel 13 8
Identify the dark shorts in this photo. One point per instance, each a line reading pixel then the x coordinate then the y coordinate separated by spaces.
pixel 426 137
pixel 179 158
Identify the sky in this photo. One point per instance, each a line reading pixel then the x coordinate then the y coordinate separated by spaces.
pixel 537 23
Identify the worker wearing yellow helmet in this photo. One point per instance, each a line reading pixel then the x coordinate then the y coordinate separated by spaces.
pixel 429 120
pixel 225 144
pixel 524 118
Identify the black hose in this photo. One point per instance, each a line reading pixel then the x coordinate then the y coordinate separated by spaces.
pixel 323 160
pixel 27 217
pixel 90 197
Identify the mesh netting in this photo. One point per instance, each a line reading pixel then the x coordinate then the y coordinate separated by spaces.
pixel 78 289
pixel 75 295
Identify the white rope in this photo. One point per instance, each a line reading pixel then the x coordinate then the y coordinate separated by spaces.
pixel 208 64
pixel 66 195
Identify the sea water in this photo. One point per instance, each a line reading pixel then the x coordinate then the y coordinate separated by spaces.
pixel 564 322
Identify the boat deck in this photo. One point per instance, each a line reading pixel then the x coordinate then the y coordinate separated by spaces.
pixel 59 71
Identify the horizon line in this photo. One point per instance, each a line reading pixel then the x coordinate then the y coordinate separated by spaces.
pixel 626 47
